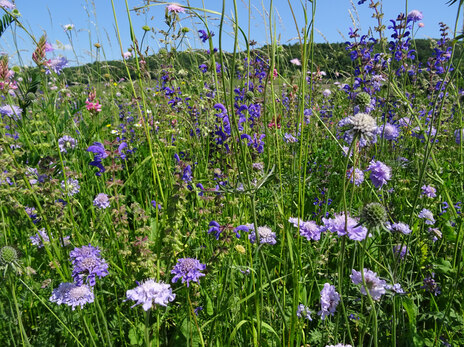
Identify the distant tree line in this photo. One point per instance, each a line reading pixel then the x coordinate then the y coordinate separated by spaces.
pixel 333 58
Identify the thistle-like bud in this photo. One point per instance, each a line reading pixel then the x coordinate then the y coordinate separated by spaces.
pixel 363 99
pixel 8 255
pixel 374 215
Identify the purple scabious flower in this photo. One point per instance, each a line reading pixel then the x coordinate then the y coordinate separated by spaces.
pixel 429 191
pixel 427 215
pixel 87 264
pixel 101 201
pixel 39 238
pixel 175 8
pixel 71 186
pixel 149 293
pixel 353 229
pixel 188 269
pixel 303 312
pixel 266 235
pixel 72 295
pixel 7 5
pixel 56 65
pixel 401 227
pixel 395 288
pixel 374 284
pixel 458 135
pixel 329 301
pixel 358 176
pixel 66 142
pixel 400 251
pixel 431 285
pixel 390 132
pixel 380 173
pixel 310 230
pixel 361 125
pixel 11 111
pixel 415 16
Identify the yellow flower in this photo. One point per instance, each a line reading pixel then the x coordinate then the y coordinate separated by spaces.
pixel 115 84
pixel 240 249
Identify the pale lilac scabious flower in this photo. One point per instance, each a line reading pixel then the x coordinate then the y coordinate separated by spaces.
pixel 56 65
pixel 66 142
pixel 358 176
pixel 427 215
pixel 310 230
pixel 380 173
pixel 88 264
pixel 101 201
pixel 39 238
pixel 458 135
pixel 326 93
pixel 11 111
pixel 429 191
pixel 401 227
pixel 374 284
pixel 126 55
pixel 71 186
pixel 188 269
pixel 400 251
pixel 7 5
pixel 149 293
pixel 415 16
pixel 72 295
pixel 266 235
pixel 175 8
pixel 353 229
pixel 395 288
pixel 296 61
pixel 329 301
pixel 390 132
pixel 303 312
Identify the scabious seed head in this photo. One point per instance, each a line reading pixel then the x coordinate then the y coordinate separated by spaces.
pixel 361 125
pixel 8 255
pixel 374 214
pixel 363 99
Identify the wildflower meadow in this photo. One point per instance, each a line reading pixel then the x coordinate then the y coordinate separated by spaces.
pixel 267 194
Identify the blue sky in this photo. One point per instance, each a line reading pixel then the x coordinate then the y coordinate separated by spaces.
pixel 94 22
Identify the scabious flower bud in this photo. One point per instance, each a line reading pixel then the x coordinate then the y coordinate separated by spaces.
pixel 363 99
pixel 8 255
pixel 374 214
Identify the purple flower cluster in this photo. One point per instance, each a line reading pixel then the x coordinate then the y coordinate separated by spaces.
pixel 310 230
pixel 87 264
pixel 380 173
pixel 357 177
pixel 101 201
pixel 329 301
pixel 400 227
pixel 351 228
pixel 71 186
pixel 266 235
pixel 150 292
pixel 188 269
pixel 56 65
pixel 41 237
pixel 429 191
pixel 427 215
pixel 72 295
pixel 374 284
pixel 66 142
pixel 303 312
